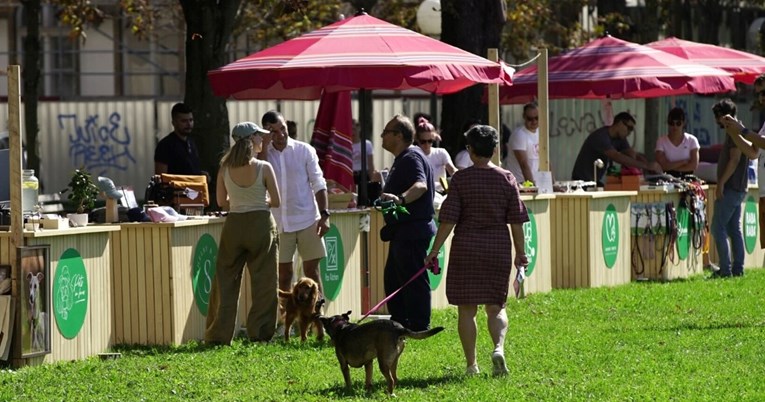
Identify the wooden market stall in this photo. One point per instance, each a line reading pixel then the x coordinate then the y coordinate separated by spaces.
pixel 538 235
pixel 590 239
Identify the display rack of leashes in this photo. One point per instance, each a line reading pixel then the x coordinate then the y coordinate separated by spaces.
pixel 664 220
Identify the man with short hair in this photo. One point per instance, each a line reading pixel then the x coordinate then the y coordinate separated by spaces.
pixel 609 144
pixel 410 184
pixel 302 218
pixel 177 153
pixel 523 157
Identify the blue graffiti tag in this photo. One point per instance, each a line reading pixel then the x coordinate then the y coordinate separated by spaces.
pixel 97 147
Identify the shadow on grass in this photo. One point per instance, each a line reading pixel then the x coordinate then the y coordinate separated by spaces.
pixel 380 386
pixel 238 342
pixel 692 326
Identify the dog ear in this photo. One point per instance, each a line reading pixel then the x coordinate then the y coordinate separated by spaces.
pixel 40 276
pixel 29 276
pixel 347 315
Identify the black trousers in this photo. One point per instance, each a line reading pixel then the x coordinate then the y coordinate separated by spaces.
pixel 411 306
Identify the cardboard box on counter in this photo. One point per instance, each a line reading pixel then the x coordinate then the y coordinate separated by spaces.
pixel 54 223
pixel 632 183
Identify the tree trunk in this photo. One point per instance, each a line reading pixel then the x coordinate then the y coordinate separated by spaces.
pixel 653 122
pixel 31 76
pixel 209 24
pixel 474 27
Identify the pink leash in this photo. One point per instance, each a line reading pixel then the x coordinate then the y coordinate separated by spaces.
pixel 433 265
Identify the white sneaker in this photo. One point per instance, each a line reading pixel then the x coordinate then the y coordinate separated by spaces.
pixel 472 370
pixel 498 359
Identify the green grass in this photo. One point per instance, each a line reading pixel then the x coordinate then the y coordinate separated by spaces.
pixel 686 340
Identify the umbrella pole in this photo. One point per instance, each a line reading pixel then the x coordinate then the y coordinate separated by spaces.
pixel 544 115
pixel 365 120
pixel 493 55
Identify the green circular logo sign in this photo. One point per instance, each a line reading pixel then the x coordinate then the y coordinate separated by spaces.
pixel 610 236
pixel 750 224
pixel 435 280
pixel 333 267
pixel 683 222
pixel 203 271
pixel 531 243
pixel 70 293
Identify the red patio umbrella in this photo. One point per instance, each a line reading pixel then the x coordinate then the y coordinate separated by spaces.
pixel 360 52
pixel 744 66
pixel 333 139
pixel 613 68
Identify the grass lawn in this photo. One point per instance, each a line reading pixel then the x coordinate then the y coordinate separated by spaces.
pixel 692 340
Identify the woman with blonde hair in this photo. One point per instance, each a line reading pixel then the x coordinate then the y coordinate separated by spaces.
pixel 246 187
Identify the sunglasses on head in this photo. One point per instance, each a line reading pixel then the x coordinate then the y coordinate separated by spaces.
pixel 677 123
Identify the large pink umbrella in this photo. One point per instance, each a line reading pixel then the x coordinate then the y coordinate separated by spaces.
pixel 360 52
pixel 744 66
pixel 613 68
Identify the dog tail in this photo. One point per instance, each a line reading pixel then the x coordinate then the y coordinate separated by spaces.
pixel 424 334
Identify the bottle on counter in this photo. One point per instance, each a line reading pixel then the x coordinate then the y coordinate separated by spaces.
pixel 30 189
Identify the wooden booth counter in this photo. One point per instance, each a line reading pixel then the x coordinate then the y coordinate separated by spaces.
pixel 161 280
pixel 75 299
pixel 590 239
pixel 537 235
pixel 754 254
pixel 653 257
pixel 378 255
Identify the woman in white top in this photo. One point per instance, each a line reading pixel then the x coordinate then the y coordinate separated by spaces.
pixel 439 159
pixel 678 151
pixel 247 188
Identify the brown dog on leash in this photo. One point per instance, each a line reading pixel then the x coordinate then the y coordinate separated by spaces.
pixel 302 304
pixel 358 345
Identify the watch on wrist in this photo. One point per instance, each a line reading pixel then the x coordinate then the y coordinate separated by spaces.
pixel 324 213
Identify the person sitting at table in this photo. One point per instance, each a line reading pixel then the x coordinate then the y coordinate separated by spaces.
pixel 678 151
pixel 439 158
pixel 609 144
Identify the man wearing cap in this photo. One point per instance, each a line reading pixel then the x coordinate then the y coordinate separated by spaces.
pixel 303 218
pixel 246 187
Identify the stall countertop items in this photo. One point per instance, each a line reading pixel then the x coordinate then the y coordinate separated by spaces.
pixel 177 224
pixel 533 197
pixel 597 194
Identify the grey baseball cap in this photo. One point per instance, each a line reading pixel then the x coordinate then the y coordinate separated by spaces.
pixel 246 129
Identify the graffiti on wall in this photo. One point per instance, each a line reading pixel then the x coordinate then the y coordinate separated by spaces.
pixel 100 146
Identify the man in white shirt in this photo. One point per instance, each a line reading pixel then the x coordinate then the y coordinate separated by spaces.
pixel 523 153
pixel 302 218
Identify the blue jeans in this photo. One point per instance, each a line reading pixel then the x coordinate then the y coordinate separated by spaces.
pixel 727 223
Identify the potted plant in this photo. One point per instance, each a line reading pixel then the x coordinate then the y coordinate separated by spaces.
pixel 83 192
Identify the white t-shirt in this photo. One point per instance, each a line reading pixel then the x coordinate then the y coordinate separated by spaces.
pixel 357 154
pixel 462 160
pixel 438 159
pixel 523 140
pixel 677 153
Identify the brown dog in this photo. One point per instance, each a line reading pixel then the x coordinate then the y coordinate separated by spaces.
pixel 358 345
pixel 301 304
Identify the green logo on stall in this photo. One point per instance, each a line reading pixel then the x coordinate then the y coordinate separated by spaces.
pixel 530 239
pixel 203 271
pixel 610 236
pixel 750 224
pixel 333 267
pixel 70 293
pixel 683 221
pixel 435 280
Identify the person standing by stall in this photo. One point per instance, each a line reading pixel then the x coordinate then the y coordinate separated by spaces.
pixel 609 144
pixel 303 217
pixel 483 199
pixel 732 183
pixel 523 153
pixel 409 184
pixel 678 151
pixel 246 187
pixel 177 153
pixel 439 158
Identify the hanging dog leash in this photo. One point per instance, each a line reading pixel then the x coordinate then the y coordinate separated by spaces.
pixel 433 266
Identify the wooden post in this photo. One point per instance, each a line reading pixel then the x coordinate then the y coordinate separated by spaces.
pixel 493 55
pixel 544 114
pixel 112 214
pixel 17 224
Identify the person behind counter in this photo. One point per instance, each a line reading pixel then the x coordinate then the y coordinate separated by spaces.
pixel 438 158
pixel 678 151
pixel 609 144
pixel 523 157
pixel 482 201
pixel 177 153
pixel 372 174
pixel 247 188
